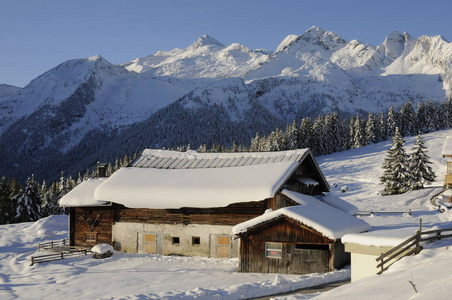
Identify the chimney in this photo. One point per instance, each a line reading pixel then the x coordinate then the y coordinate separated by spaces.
pixel 101 169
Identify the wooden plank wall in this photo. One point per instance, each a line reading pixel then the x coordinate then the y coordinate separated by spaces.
pixel 83 217
pixel 230 215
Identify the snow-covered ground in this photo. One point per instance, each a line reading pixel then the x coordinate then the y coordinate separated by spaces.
pixel 139 276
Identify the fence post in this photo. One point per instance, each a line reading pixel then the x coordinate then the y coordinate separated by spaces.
pixel 32 261
pixel 382 260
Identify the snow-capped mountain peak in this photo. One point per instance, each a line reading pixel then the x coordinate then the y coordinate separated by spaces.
pixel 206 40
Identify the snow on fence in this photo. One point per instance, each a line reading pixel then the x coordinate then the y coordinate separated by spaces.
pixel 60 250
pixel 406 248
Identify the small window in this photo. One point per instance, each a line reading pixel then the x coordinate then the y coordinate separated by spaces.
pixel 176 240
pixel 91 237
pixel 195 240
pixel 273 250
pixel 449 168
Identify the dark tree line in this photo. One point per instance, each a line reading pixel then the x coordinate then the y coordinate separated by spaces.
pixel 328 133
pixel 35 200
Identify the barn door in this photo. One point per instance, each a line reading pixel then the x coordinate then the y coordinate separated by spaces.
pixel 312 260
pixel 223 246
pixel 150 243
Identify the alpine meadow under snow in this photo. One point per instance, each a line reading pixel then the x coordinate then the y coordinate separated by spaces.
pixel 86 110
pixel 141 276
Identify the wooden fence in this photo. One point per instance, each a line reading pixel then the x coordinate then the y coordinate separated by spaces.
pixel 410 246
pixel 60 251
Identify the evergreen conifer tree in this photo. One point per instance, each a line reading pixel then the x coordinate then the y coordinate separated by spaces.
pixel 29 202
pixel 395 176
pixel 420 170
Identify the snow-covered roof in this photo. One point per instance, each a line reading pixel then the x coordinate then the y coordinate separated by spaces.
pixel 211 187
pixel 447 147
pixel 325 219
pixel 387 237
pixel 83 194
pixel 164 159
pixel 337 202
pixel 160 179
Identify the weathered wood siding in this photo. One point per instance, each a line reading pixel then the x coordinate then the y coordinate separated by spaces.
pixel 230 215
pixel 296 256
pixel 95 220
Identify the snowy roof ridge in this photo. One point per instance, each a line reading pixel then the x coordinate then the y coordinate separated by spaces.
pixel 324 218
pixel 165 159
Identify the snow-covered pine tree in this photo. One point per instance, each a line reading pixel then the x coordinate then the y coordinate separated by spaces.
pixel 45 200
pixel 391 122
pixel 407 119
pixel 292 136
pixel 254 146
pixel 382 135
pixel 29 203
pixel 371 128
pixel 395 176
pixel 359 138
pixel 305 133
pixel 420 114
pixel 318 136
pixel 420 170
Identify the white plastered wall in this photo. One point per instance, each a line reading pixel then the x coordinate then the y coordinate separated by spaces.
pixel 363 260
pixel 128 237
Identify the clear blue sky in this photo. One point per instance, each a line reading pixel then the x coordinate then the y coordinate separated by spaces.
pixel 37 35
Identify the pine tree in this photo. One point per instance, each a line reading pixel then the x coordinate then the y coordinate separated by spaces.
pixel 407 119
pixel 359 138
pixel 371 128
pixel 305 133
pixel 391 122
pixel 45 200
pixel 395 176
pixel 29 203
pixel 419 162
pixel 382 134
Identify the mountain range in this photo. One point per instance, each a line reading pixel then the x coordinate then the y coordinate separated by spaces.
pixel 86 110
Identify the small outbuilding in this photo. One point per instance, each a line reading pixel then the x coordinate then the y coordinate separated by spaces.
pixel 299 239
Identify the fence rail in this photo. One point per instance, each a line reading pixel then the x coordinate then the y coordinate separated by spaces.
pixel 61 250
pixel 410 246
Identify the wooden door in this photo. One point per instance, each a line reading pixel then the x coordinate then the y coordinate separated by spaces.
pixel 223 246
pixel 311 261
pixel 150 243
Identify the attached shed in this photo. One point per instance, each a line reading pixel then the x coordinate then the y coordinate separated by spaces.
pixel 300 239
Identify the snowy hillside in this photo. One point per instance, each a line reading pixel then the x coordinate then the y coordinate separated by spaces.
pixel 140 276
pixel 208 93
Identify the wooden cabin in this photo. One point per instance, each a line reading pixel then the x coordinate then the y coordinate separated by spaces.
pixel 186 203
pixel 299 239
pixel 447 152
